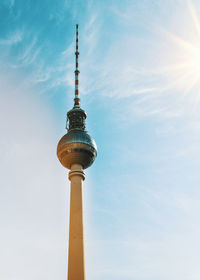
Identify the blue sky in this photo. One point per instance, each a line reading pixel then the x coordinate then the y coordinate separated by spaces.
pixel 140 86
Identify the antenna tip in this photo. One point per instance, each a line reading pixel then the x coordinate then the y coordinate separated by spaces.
pixel 76 25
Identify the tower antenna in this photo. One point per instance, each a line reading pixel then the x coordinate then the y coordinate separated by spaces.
pixel 76 99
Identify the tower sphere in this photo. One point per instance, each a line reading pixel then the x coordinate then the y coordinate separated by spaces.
pixel 76 147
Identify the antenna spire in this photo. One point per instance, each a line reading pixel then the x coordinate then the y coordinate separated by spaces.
pixel 76 99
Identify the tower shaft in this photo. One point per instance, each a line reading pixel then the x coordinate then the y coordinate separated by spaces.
pixel 76 269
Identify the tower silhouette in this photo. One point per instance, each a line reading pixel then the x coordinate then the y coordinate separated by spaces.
pixel 76 151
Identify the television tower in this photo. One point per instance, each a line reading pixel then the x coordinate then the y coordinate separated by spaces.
pixel 76 151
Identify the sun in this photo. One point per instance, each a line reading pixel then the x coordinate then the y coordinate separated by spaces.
pixel 185 67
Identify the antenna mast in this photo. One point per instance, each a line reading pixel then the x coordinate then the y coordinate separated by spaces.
pixel 76 99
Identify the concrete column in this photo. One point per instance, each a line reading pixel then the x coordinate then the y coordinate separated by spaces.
pixel 76 266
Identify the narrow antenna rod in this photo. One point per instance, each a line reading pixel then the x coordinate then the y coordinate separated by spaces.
pixel 76 99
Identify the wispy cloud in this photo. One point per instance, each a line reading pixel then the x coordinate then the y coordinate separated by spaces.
pixel 30 53
pixel 12 39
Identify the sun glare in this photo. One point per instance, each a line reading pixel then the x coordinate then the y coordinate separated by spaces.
pixel 185 67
